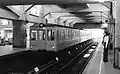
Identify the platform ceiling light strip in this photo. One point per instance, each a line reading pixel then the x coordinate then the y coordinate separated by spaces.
pixel 102 0
pixel 70 17
pixel 104 25
pixel 88 5
pixel 76 20
pixel 8 28
pixel 56 14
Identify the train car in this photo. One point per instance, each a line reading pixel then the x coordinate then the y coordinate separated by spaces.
pixel 85 35
pixel 53 37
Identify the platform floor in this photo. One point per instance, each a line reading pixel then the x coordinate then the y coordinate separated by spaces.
pixel 97 66
pixel 8 49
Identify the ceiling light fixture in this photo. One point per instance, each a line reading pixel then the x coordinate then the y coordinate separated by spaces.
pixel 103 0
pixel 99 1
pixel 88 5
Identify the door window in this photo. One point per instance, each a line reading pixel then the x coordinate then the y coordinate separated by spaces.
pixel 34 35
pixel 50 35
pixel 41 35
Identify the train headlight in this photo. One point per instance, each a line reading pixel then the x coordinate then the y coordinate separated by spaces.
pixel 31 47
pixel 53 47
pixel 41 25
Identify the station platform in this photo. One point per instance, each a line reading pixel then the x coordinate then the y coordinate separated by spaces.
pixel 96 64
pixel 8 49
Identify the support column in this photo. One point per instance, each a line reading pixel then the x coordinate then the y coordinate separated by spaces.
pixel 117 33
pixel 19 34
pixel 117 27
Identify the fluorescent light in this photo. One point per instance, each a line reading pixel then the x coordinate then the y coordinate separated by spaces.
pixel 100 1
pixel 104 25
pixel 88 5
pixel 53 47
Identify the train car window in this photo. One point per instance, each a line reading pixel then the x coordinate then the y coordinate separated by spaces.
pixel 50 35
pixel 69 34
pixel 66 34
pixel 73 34
pixel 41 35
pixel 62 34
pixel 44 35
pixel 34 35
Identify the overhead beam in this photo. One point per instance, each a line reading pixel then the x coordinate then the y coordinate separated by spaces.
pixel 29 8
pixel 22 16
pixel 81 14
pixel 87 25
pixel 26 2
pixel 33 19
pixel 74 7
pixel 106 5
pixel 7 14
pixel 14 10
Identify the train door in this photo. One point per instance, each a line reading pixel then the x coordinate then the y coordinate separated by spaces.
pixel 37 39
pixel 50 40
pixel 33 38
pixel 42 40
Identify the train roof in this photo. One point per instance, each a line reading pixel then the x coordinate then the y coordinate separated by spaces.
pixel 51 25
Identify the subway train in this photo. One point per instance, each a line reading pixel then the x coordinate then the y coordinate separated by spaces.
pixel 54 37
pixel 53 48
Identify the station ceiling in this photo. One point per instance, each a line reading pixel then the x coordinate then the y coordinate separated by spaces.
pixel 94 13
pixel 88 10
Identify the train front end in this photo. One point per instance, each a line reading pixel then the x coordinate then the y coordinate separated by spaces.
pixel 42 38
pixel 37 39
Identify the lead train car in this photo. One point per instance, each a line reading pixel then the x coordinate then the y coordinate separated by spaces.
pixel 53 37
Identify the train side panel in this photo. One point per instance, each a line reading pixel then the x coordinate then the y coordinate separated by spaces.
pixel 70 38
pixel 38 45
